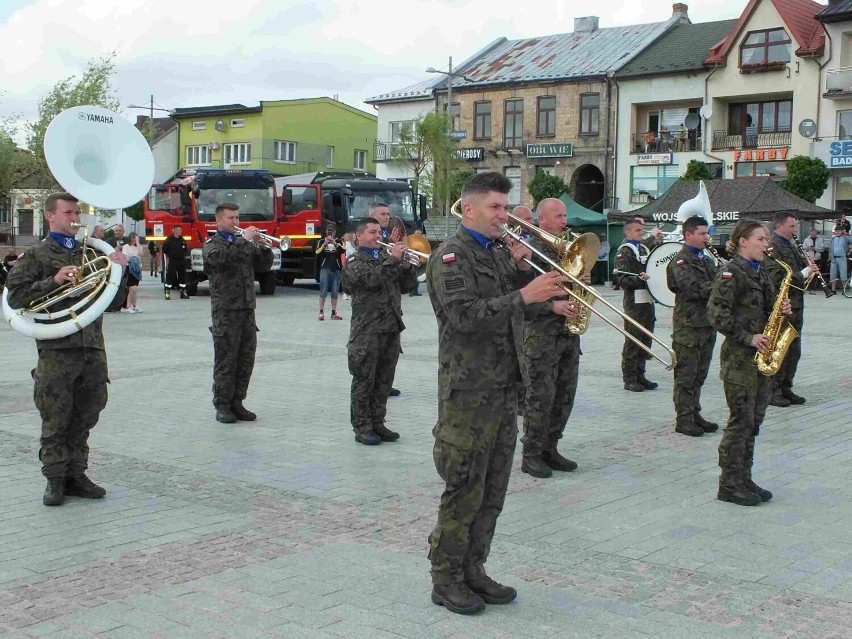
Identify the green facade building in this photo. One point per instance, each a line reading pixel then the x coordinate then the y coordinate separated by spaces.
pixel 285 137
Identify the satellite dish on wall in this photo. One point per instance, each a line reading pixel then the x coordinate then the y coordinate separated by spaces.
pixel 692 121
pixel 706 112
pixel 807 128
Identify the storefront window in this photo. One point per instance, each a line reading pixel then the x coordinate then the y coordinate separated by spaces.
pixel 775 170
pixel 843 193
pixel 647 183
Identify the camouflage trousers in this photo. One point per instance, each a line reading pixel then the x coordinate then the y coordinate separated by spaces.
pixel 783 379
pixel 70 393
pixel 372 364
pixel 747 407
pixel 552 362
pixel 633 358
pixel 234 346
pixel 474 446
pixel 693 355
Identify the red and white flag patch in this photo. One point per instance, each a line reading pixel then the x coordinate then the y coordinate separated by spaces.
pixel 449 257
pixel 727 275
pixel 680 262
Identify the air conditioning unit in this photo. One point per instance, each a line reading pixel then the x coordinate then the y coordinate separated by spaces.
pixel 213 146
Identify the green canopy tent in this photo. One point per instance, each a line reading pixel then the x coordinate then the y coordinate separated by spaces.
pixel 579 216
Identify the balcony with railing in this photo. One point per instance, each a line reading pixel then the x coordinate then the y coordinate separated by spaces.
pixel 751 139
pixel 665 142
pixel 838 84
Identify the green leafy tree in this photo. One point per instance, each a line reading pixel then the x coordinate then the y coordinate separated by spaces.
pixel 428 152
pixel 696 170
pixel 807 177
pixel 93 86
pixel 135 212
pixel 544 185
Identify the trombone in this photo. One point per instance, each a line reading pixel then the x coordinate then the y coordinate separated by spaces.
pixel 591 292
pixel 283 242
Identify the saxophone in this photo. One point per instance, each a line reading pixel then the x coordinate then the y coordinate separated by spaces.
pixel 779 331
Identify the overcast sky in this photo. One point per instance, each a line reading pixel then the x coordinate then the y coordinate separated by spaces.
pixel 215 52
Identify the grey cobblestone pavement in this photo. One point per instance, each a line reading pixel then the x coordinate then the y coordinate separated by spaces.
pixel 286 527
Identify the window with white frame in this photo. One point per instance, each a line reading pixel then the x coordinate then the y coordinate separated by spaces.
pixel 285 151
pixel 514 175
pixel 239 153
pixel 237 123
pixel 199 126
pixel 197 155
pixel 647 183
pixel 360 162
pixel 396 128
pixel 329 157
pixel 844 125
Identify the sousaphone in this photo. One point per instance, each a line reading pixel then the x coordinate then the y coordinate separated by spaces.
pixel 103 160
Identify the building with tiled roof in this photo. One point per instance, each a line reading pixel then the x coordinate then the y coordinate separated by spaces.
pixel 660 94
pixel 541 103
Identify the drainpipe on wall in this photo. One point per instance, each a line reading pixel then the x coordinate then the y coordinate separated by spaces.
pixel 609 80
pixel 819 79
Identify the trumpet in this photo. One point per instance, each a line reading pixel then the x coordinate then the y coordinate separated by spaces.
pixel 283 242
pixel 418 259
pixel 410 255
pixel 586 292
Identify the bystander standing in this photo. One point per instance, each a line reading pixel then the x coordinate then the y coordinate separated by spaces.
pixel 133 250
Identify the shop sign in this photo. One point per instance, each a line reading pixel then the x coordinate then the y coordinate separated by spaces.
pixel 470 155
pixel 840 153
pixel 761 155
pixel 655 158
pixel 550 150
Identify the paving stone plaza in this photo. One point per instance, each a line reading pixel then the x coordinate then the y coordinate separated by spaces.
pixel 286 527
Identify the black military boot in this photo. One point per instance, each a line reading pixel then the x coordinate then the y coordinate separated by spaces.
pixel 490 591
pixel 647 384
pixel 394 392
pixel 633 386
pixel 458 598
pixel 534 465
pixel 54 494
pixel 81 486
pixel 764 494
pixel 738 494
pixel 792 397
pixel 183 294
pixel 225 416
pixel 385 434
pixel 748 462
pixel 779 400
pixel 241 412
pixel 368 439
pixel 688 427
pixel 557 462
pixel 707 427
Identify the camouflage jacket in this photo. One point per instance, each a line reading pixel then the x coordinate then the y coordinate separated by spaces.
pixel 739 306
pixel 32 277
pixel 690 278
pixel 480 315
pixel 540 318
pixel 789 254
pixel 231 269
pixel 375 285
pixel 626 260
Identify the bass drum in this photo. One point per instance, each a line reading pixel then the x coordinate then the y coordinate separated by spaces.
pixel 655 267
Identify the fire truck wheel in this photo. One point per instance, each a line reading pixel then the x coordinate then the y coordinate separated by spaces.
pixel 268 283
pixel 287 279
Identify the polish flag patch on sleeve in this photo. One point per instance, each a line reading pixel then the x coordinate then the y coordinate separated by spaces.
pixel 727 275
pixel 448 258
pixel 680 262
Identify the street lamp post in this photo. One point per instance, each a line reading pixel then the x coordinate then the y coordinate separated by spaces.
pixel 450 75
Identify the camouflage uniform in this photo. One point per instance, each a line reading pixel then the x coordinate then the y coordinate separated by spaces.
pixel 375 283
pixel 787 253
pixel 552 362
pixel 71 376
pixel 739 306
pixel 480 333
pixel 633 358
pixel 690 278
pixel 231 267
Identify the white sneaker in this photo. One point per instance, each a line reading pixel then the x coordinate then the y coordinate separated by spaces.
pixel 124 310
pixel 136 309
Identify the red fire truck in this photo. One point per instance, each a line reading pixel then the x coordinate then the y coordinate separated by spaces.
pixel 189 200
pixel 311 201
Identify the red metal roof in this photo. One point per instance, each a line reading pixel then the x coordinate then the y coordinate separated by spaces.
pixel 799 17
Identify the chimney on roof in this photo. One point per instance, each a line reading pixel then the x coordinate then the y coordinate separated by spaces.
pixel 588 24
pixel 680 10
